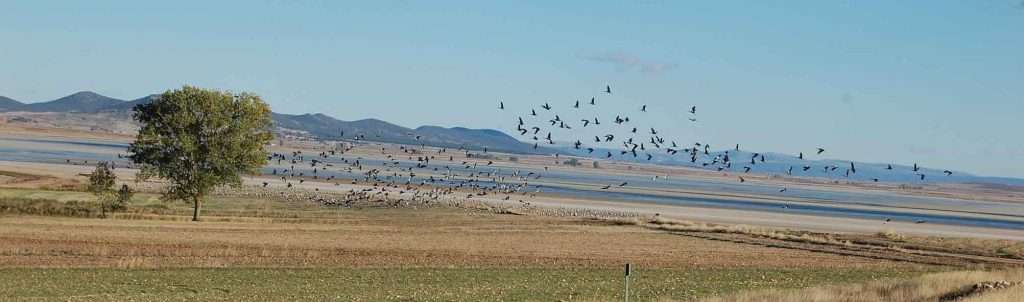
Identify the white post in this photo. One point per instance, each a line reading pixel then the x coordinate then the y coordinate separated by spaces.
pixel 628 271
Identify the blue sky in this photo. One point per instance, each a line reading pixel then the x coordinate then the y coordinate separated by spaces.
pixel 940 83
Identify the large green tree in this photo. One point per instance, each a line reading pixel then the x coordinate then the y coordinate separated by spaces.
pixel 197 139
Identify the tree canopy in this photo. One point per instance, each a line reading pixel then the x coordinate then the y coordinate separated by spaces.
pixel 197 139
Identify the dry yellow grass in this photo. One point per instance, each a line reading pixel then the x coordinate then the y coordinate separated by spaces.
pixel 690 226
pixel 373 237
pixel 433 253
pixel 932 287
pixel 1001 248
pixel 1015 294
pixel 891 235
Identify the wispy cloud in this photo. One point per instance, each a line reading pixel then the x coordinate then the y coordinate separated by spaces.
pixel 629 62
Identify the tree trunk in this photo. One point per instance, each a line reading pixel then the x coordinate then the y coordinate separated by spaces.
pixel 195 210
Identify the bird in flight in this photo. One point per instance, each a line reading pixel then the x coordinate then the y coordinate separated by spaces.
pixel 948 172
pixel 608 89
pixel 592 101
pixel 820 150
pixel 501 105
pixel 546 106
pixel 577 106
pixel 643 108
pixel 693 110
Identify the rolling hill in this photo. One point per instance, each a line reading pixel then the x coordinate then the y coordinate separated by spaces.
pixel 85 101
pixel 7 103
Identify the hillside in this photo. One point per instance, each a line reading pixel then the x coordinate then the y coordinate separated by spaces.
pixel 85 101
pixel 7 103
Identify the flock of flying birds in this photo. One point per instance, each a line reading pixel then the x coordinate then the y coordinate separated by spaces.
pixel 640 144
pixel 407 173
pixel 479 176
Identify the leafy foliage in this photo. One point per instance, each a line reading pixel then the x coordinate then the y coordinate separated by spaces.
pixel 198 139
pixel 102 179
pixel 101 184
pixel 121 199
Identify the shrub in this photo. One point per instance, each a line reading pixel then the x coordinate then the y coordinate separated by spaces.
pixel 46 207
pixel 891 235
pixel 101 184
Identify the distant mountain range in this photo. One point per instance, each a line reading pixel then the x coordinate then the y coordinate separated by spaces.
pixel 319 125
pixel 326 127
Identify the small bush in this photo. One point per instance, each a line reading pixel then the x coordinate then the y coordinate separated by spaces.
pixel 120 201
pixel 101 184
pixel 47 207
pixel 891 235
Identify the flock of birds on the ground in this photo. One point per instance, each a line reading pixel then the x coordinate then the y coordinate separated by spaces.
pixel 425 181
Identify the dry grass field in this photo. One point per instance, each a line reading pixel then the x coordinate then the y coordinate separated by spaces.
pixel 278 250
pixel 974 286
